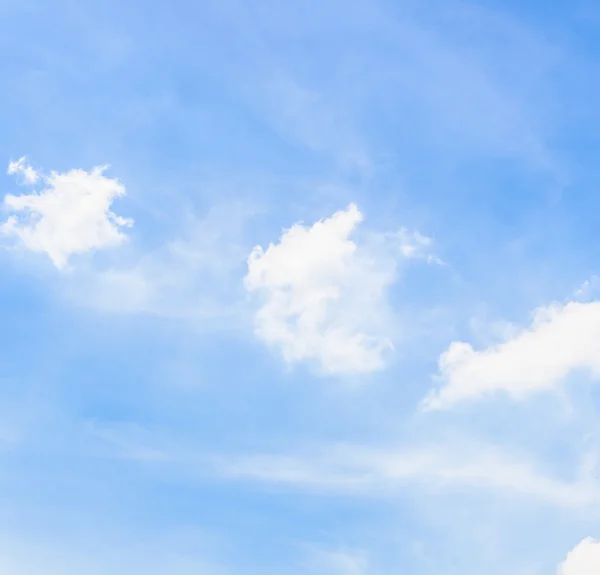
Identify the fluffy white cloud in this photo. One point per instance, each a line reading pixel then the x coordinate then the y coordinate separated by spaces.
pixel 583 560
pixel 22 168
pixel 70 215
pixel 324 295
pixel 560 340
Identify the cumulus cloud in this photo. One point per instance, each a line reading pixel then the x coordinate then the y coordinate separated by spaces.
pixel 70 215
pixel 560 340
pixel 584 559
pixel 324 295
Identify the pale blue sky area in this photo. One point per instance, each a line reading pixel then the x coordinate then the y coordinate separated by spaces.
pixel 299 288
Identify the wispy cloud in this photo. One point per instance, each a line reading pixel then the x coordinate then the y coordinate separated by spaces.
pixel 495 100
pixel 22 168
pixel 309 118
pixel 337 562
pixel 366 471
pixel 130 441
pixel 414 245
pixel 195 277
pixel 485 109
pixel 96 553
pixel 588 290
pixel 351 469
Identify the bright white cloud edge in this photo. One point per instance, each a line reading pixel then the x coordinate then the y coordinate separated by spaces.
pixel 584 559
pixel 70 215
pixel 324 294
pixel 560 340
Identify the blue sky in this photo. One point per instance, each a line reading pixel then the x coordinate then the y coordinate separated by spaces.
pixel 299 288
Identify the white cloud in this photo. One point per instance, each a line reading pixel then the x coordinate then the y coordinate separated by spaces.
pixel 22 168
pixel 588 289
pixel 363 470
pixel 584 559
pixel 324 295
pixel 560 340
pixel 414 245
pixel 360 470
pixel 70 215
